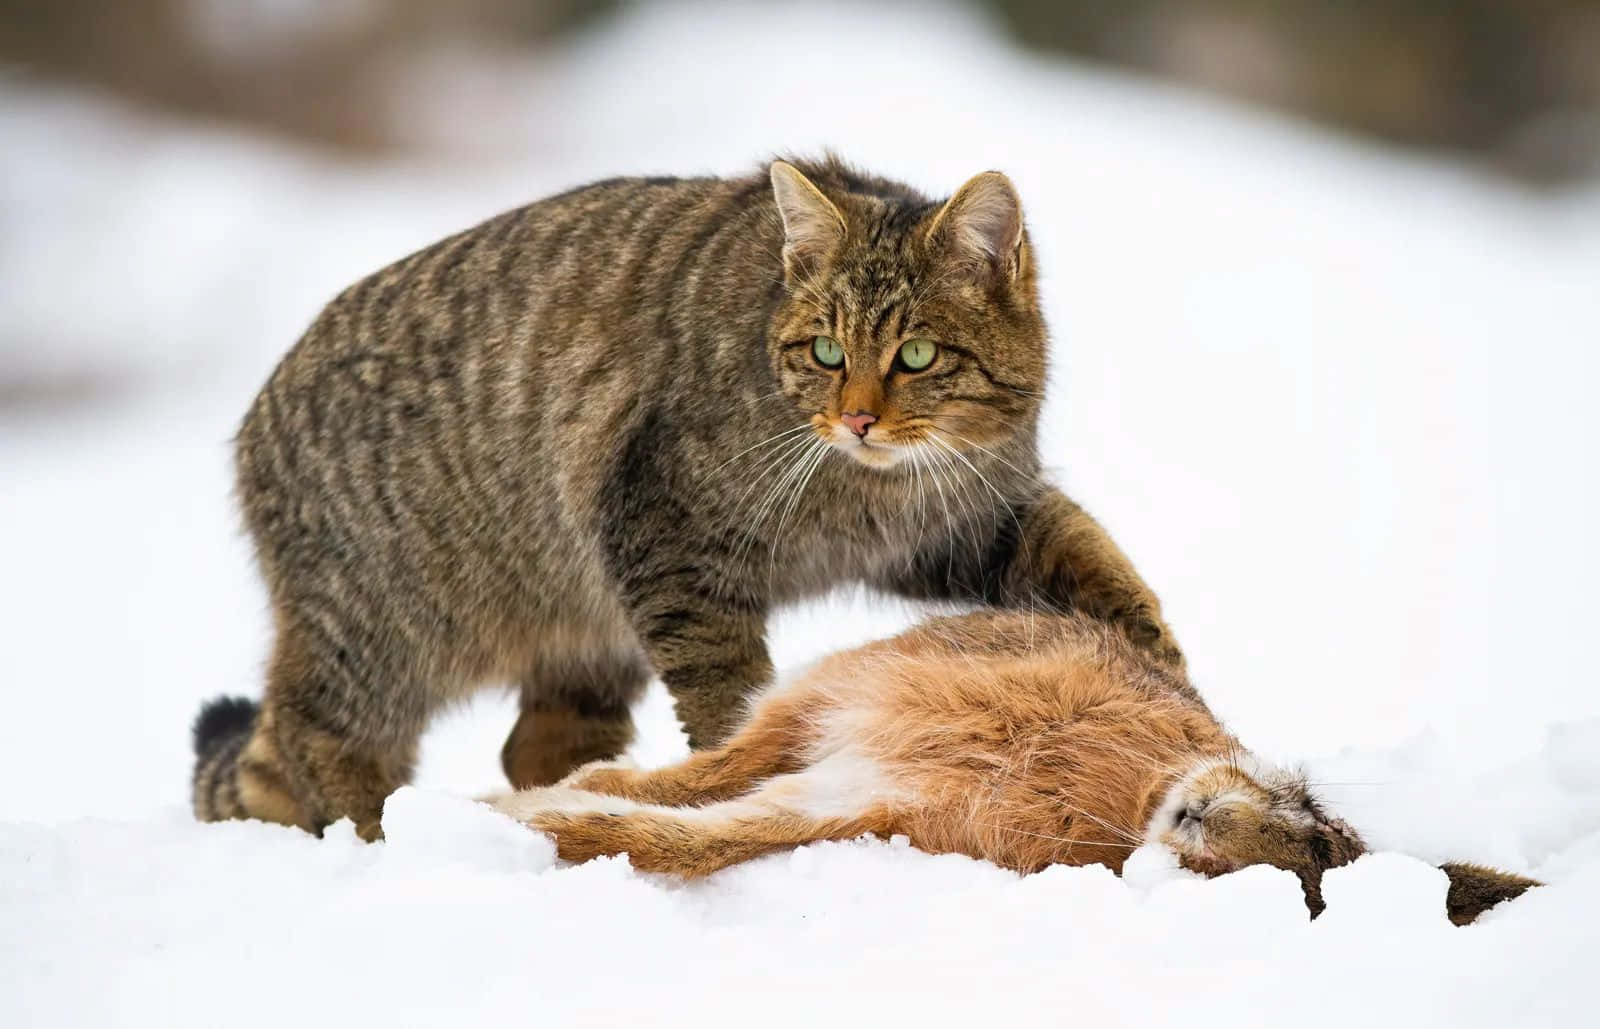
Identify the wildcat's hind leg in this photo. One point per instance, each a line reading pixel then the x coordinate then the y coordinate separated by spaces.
pixel 775 740
pixel 575 709
pixel 319 748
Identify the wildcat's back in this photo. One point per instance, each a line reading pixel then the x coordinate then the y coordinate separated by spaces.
pixel 407 463
pixel 422 474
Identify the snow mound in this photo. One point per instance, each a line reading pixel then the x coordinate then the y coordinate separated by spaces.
pixel 433 829
pixel 1375 887
pixel 463 917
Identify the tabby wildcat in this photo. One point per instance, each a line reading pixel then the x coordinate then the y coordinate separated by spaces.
pixel 603 435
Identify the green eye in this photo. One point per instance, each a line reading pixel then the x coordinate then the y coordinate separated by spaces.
pixel 917 354
pixel 827 351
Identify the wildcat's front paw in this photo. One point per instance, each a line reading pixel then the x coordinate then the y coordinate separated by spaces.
pixel 1165 649
pixel 1146 630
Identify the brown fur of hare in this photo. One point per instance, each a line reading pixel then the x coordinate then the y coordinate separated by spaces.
pixel 1023 740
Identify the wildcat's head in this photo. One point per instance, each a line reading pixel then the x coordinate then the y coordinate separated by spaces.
pixel 1227 814
pixel 905 323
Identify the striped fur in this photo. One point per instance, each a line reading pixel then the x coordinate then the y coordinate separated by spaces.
pixel 585 441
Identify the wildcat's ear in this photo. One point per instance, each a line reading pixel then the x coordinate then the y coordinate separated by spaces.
pixel 812 227
pixel 1475 889
pixel 982 225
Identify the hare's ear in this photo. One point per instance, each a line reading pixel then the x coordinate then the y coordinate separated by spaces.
pixel 1311 889
pixel 1332 843
pixel 1475 889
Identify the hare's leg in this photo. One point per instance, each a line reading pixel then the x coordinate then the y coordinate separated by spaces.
pixel 839 798
pixel 774 741
pixel 694 842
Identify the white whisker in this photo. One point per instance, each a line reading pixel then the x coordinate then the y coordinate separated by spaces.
pixel 1059 839
pixel 798 463
pixel 818 456
pixel 1123 833
pixel 753 446
pixel 788 460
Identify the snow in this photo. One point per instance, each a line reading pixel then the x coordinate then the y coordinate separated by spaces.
pixel 1335 402
pixel 462 916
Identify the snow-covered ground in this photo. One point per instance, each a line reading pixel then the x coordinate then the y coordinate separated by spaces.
pixel 1335 402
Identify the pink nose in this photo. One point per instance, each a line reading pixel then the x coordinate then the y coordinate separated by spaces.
pixel 858 421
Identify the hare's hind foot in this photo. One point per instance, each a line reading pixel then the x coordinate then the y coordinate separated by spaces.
pixel 691 842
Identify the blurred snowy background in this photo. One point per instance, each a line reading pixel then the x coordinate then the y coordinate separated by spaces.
pixel 1324 282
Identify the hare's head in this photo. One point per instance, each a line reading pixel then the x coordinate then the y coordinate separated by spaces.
pixel 1226 814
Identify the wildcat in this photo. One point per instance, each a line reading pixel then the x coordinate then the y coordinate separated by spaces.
pixel 1027 740
pixel 604 435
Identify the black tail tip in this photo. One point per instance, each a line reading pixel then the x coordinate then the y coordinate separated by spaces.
pixel 222 718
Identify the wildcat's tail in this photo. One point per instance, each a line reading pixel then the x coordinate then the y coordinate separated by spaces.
pixel 221 731
pixel 1475 889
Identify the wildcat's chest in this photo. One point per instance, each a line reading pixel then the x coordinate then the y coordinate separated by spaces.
pixel 847 535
